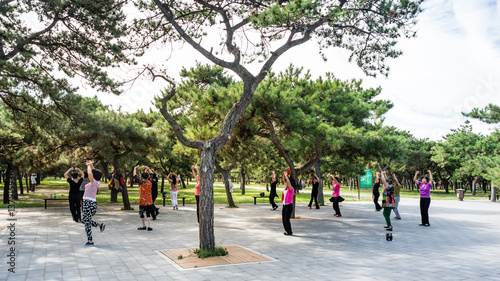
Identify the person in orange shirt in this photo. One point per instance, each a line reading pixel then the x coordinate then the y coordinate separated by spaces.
pixel 145 196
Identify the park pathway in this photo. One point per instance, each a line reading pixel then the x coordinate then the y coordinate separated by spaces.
pixel 462 243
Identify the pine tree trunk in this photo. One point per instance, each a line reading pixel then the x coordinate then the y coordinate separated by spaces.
pixel 20 177
pixel 126 202
pixel 229 195
pixel 13 176
pixel 206 232
pixel 6 186
pixel 242 183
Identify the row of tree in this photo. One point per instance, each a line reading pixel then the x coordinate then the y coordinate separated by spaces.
pixel 260 121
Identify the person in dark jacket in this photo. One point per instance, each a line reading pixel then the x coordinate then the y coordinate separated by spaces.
pixel 314 192
pixel 272 193
pixel 376 193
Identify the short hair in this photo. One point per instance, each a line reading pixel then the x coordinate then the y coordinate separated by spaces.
pixel 97 174
pixel 389 181
pixel 85 174
pixel 145 175
pixel 74 175
pixel 426 177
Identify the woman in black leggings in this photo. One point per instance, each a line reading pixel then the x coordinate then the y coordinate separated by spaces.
pixel 314 192
pixel 272 193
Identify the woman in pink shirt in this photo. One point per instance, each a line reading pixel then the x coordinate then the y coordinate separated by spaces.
pixel 90 203
pixel 335 194
pixel 287 198
pixel 196 175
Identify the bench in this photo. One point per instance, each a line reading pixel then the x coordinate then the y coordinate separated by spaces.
pixel 46 199
pixel 183 199
pixel 255 198
pixel 489 196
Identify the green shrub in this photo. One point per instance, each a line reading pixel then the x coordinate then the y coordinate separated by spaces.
pixel 218 251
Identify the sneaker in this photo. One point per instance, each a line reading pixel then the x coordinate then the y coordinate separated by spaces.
pixel 149 229
pixel 102 227
pixel 89 244
pixel 397 218
pixel 141 228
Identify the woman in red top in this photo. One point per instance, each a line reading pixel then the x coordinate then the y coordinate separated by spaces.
pixel 145 197
pixel 196 175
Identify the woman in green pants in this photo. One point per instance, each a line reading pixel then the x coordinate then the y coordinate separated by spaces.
pixel 387 200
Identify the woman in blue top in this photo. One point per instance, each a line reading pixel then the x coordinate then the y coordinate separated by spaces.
pixel 425 196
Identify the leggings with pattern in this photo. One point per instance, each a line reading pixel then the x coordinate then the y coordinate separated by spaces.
pixel 89 210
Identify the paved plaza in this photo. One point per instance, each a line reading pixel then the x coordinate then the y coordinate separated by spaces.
pixel 462 243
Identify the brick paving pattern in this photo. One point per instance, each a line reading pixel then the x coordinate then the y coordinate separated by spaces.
pixel 462 243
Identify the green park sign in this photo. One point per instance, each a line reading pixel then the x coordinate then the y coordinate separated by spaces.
pixel 366 180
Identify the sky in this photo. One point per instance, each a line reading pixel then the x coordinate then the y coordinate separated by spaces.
pixel 452 66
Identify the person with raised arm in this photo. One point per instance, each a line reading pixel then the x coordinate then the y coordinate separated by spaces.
pixel 74 192
pixel 154 192
pixel 376 192
pixel 272 193
pixel 314 192
pixel 287 198
pixel 196 175
pixel 90 203
pixel 397 198
pixel 425 196
pixel 387 199
pixel 172 178
pixel 145 197
pixel 335 195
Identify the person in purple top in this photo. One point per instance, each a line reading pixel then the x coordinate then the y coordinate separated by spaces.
pixel 425 196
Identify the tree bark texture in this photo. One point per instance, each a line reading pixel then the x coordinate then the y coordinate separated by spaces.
pixel 242 183
pixel 6 186
pixel 207 236
pixel 20 177
pixel 13 187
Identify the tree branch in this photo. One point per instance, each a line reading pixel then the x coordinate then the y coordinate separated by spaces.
pixel 177 128
pixel 288 45
pixel 234 66
pixel 30 38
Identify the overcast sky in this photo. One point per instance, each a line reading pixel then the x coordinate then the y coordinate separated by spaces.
pixel 452 66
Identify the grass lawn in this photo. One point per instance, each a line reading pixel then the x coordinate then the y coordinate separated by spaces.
pixel 60 188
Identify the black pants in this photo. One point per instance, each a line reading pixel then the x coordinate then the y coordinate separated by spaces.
pixel 314 196
pixel 286 214
pixel 376 195
pixel 336 206
pixel 74 206
pixel 148 210
pixel 424 209
pixel 271 200
pixel 198 207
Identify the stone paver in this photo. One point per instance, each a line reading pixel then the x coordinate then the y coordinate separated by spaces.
pixel 461 244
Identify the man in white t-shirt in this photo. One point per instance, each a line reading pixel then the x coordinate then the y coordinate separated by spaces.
pixel 33 182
